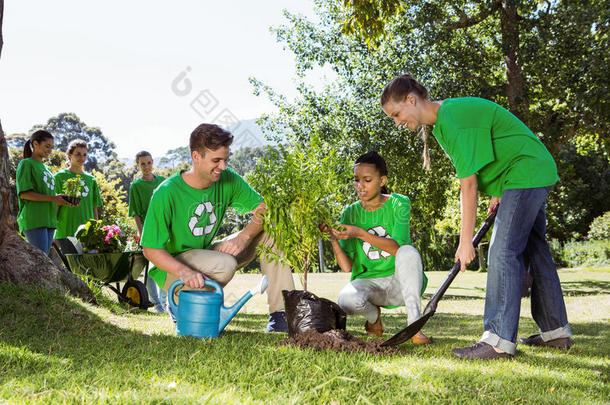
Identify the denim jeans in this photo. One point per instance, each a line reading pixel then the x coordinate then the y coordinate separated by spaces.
pixel 42 238
pixel 520 228
pixel 156 294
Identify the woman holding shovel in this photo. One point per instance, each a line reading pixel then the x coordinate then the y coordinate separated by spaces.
pixel 375 246
pixel 494 152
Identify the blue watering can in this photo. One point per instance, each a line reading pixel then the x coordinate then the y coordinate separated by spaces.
pixel 202 313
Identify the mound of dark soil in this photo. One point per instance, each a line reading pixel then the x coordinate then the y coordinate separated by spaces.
pixel 338 340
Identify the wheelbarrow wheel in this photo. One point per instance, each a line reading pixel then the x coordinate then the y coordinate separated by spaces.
pixel 134 294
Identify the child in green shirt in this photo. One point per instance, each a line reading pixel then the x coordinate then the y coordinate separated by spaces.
pixel 70 218
pixel 38 201
pixel 140 193
pixel 496 153
pixel 375 246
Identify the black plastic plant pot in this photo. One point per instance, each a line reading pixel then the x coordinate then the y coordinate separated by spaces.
pixel 72 200
pixel 306 311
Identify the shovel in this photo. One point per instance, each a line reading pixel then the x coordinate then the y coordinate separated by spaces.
pixel 408 332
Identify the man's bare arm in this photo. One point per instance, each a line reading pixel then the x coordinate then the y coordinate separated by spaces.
pixel 166 262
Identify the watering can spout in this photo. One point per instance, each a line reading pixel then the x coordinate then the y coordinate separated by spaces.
pixel 227 313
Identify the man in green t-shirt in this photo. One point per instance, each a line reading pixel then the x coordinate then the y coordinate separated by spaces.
pixel 185 214
pixel 140 192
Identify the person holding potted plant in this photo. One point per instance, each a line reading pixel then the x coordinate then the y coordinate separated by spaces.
pixel 38 201
pixel 497 154
pixel 140 192
pixel 184 216
pixel 80 187
pixel 374 244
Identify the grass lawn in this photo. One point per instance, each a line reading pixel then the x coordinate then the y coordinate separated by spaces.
pixel 55 349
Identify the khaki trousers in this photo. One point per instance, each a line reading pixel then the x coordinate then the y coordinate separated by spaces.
pixel 221 268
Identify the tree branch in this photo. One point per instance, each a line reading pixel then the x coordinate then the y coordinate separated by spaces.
pixel 465 21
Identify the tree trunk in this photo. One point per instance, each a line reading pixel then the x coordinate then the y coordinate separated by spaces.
pixel 20 262
pixel 515 83
pixel 305 271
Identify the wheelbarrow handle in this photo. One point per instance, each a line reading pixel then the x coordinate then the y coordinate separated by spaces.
pixel 456 267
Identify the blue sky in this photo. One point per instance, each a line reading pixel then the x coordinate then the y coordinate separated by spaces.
pixel 113 63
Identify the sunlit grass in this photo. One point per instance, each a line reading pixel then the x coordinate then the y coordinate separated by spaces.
pixel 55 349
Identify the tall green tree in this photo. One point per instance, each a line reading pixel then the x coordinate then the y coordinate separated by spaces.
pixel 243 160
pixel 545 60
pixel 67 127
pixel 456 49
pixel 175 157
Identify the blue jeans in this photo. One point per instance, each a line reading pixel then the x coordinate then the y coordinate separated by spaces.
pixel 156 294
pixel 520 229
pixel 42 238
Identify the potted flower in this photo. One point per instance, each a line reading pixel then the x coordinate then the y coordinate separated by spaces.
pixel 99 238
pixel 72 190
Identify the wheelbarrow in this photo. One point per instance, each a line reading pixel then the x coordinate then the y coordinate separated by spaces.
pixel 107 268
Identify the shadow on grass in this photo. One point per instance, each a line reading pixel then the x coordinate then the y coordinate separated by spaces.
pixel 585 287
pixel 50 343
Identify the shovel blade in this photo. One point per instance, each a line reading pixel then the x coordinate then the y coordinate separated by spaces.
pixel 408 332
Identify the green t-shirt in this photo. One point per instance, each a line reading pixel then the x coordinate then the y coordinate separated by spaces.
pixel 70 218
pixel 485 139
pixel 390 221
pixel 182 218
pixel 140 193
pixel 35 176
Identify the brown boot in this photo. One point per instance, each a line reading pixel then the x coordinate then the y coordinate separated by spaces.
pixel 375 328
pixel 420 339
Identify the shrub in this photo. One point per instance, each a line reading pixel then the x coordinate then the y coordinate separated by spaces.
pixel 557 253
pixel 301 187
pixel 594 253
pixel 600 228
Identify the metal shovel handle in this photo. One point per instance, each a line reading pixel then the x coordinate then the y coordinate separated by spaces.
pixel 456 267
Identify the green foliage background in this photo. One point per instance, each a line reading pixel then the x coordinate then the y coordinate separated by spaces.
pixel 456 49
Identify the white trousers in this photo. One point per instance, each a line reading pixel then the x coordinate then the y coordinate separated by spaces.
pixel 364 295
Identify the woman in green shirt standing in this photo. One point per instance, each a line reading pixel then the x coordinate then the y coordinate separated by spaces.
pixel 38 202
pixel 375 246
pixel 495 153
pixel 70 218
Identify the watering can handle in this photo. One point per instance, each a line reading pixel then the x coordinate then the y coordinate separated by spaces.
pixel 178 283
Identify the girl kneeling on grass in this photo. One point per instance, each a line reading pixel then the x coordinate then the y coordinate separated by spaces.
pixel 375 246
pixel 494 152
pixel 38 202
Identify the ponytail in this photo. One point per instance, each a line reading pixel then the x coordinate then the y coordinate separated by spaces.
pixel 27 149
pixel 423 133
pixel 38 136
